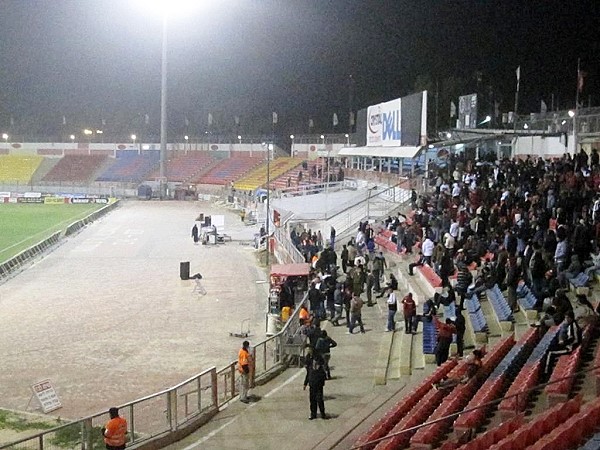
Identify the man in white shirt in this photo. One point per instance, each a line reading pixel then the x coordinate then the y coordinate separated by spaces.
pixel 392 303
pixel 426 254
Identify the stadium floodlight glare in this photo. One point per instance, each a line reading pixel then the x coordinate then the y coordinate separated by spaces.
pixel 171 8
pixel 186 137
pixel 99 132
pixel 526 126
pixel 88 132
pixel 571 113
pixel 292 137
pixel 133 138
pixel 72 137
pixel 5 137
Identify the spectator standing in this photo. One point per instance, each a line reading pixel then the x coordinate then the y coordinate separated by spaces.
pixel 426 254
pixel 195 233
pixel 569 338
pixel 460 325
pixel 115 431
pixel 344 258
pixel 409 308
pixel 445 332
pixel 244 359
pixel 392 303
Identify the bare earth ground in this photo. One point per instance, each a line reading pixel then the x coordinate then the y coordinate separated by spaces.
pixel 106 317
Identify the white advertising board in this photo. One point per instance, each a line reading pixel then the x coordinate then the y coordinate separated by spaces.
pixel 383 124
pixel 46 395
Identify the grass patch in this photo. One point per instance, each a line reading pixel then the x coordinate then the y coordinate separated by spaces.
pixel 24 225
pixel 12 421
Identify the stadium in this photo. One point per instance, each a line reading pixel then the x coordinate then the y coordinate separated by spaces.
pixel 417 285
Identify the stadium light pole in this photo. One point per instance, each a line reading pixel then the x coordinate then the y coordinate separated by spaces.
pixel 5 137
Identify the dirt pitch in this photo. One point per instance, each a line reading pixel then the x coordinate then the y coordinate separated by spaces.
pixel 107 319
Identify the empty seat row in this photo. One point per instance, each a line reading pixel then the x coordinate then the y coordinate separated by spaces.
pixel 525 296
pixel 476 314
pixel 499 303
pixel 401 409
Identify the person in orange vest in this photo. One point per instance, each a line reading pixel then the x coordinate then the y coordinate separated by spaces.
pixel 304 316
pixel 115 430
pixel 244 369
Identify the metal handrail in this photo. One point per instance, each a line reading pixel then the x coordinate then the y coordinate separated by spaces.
pixel 484 405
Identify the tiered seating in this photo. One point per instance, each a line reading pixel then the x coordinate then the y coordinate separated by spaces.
pixel 517 398
pixel 485 440
pixel 593 443
pixel 402 408
pixel 129 166
pixel 18 169
pixel 230 169
pixel 565 368
pixel 76 168
pixel 492 389
pixel 281 182
pixel 580 280
pixel 432 278
pixel 184 166
pixel 525 297
pixel 500 304
pixel 476 314
pixel 258 176
pixel 429 436
pixel 384 240
pixel 548 425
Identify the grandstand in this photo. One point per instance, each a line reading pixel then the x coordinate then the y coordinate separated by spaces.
pixel 130 166
pixel 185 166
pixel 76 169
pixel 18 168
pixel 258 177
pixel 293 175
pixel 228 170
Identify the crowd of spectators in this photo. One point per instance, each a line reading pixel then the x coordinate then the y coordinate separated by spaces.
pixel 531 221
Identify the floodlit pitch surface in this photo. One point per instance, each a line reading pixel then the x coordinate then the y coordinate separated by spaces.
pixel 25 224
pixel 107 319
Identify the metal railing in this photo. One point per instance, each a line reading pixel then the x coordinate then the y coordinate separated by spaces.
pixel 196 399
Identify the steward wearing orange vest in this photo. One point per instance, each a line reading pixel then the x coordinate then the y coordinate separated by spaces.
pixel 244 369
pixel 114 431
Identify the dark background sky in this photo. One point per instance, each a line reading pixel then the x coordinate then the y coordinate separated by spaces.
pixel 94 59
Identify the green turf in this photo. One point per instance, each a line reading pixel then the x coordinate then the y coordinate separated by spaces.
pixel 24 225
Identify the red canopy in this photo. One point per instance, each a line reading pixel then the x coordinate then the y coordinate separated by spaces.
pixel 290 270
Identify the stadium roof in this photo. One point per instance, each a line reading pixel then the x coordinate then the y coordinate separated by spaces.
pixel 381 152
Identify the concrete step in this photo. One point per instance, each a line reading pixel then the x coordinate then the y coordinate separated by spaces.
pixel 395 363
pixel 418 358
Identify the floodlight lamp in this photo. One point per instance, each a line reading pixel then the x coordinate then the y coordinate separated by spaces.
pixel 5 136
pixel 448 135
pixel 271 147
pixel 292 137
pixel 526 126
pixel 346 135
pixel 72 137
pixel 99 132
pixel 563 122
pixel 571 113
pixel 133 137
pixel 322 137
pixel 170 8
pixel 87 132
pixel 186 137
pixel 239 137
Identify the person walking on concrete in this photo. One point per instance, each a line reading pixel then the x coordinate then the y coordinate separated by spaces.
pixel 409 309
pixel 323 347
pixel 244 359
pixel 115 431
pixel 356 305
pixel 392 304
pixel 315 379
pixel 195 233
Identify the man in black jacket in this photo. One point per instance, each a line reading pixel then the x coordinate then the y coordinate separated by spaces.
pixel 315 379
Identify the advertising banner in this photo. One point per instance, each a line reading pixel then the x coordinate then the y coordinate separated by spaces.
pixel 54 200
pixel 467 111
pixel 383 124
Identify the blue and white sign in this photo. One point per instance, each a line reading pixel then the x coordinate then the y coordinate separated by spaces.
pixel 383 124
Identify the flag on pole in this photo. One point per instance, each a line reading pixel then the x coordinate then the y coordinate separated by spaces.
pixel 543 107
pixel 236 119
pixel 146 119
pixel 351 118
pixel 580 79
pixel 12 121
pixel 335 120
pixel 210 119
pixel 103 122
pixel 452 109
pixel 518 74
pixel 274 117
pixel 311 123
pixel 187 122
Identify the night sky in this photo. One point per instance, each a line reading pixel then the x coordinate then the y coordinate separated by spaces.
pixel 90 60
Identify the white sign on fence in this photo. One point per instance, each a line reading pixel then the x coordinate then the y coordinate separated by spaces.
pixel 46 395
